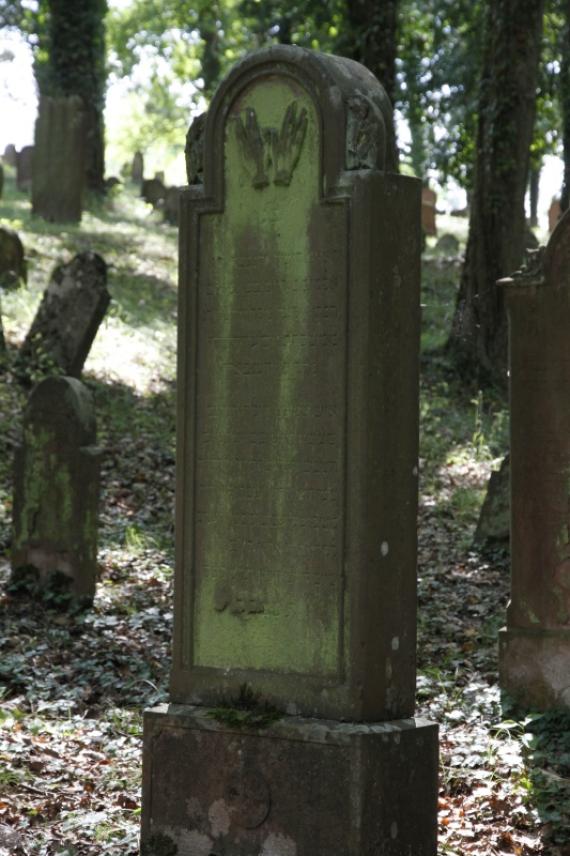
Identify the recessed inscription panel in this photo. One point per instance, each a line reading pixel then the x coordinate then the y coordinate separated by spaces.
pixel 271 399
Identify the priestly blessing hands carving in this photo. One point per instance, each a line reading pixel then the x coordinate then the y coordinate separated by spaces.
pixel 269 152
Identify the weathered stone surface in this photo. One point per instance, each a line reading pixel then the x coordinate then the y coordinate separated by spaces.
pixel 56 489
pixel 67 320
pixel 494 522
pixel 137 167
pixel 59 160
pixel 447 246
pixel 303 580
pixel 153 191
pixel 13 269
pixel 24 168
pixel 10 156
pixel 538 615
pixel 295 788
pixel 172 205
pixel 429 201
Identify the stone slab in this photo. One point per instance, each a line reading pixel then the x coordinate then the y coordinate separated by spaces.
pixel 300 787
pixel 534 668
pixel 298 378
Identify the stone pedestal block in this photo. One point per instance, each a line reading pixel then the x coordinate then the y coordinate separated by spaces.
pixel 299 787
pixel 534 667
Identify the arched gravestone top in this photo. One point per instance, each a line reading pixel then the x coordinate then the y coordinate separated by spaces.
pixel 297 421
pixel 547 266
pixel 354 114
pixel 62 405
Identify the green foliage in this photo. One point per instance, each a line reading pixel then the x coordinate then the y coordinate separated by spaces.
pixel 247 710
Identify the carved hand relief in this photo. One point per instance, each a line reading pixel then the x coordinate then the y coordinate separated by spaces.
pixel 271 154
pixel 361 134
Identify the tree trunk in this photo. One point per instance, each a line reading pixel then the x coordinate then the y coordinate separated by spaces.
pixel 533 190
pixel 565 107
pixel 374 25
pixel 76 66
pixel 495 245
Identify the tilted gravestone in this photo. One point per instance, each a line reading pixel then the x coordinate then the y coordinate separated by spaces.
pixel 10 156
pixel 534 649
pixel 13 269
pixel 24 168
pixel 67 320
pixel 137 167
pixel 297 483
pixel 56 490
pixel 59 159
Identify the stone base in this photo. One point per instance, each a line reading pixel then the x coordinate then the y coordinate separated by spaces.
pixel 299 787
pixel 534 668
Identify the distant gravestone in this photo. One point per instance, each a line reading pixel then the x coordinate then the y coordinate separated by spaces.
pixel 153 191
pixel 194 150
pixel 56 490
pixel 160 175
pixel 493 526
pixel 111 182
pixel 59 160
pixel 24 168
pixel 137 167
pixel 429 201
pixel 69 315
pixel 534 649
pixel 13 269
pixel 10 156
pixel 447 246
pixel 298 418
pixel 554 214
pixel 171 205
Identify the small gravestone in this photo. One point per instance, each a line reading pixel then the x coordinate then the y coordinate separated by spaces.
pixel 171 205
pixel 554 214
pixel 12 261
pixel 10 156
pixel 56 491
pixel 111 182
pixel 160 175
pixel 153 191
pixel 534 648
pixel 429 201
pixel 59 160
pixel 447 246
pixel 137 167
pixel 494 522
pixel 290 728
pixel 69 315
pixel 24 168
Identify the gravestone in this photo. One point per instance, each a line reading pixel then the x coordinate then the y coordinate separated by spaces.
pixel 13 269
pixel 447 246
pixel 137 167
pixel 68 317
pixel 554 214
pixel 153 191
pixel 10 156
pixel 1 180
pixel 59 160
pixel 290 728
pixel 194 150
pixel 56 490
pixel 534 648
pixel 429 201
pixel 24 168
pixel 171 205
pixel 494 524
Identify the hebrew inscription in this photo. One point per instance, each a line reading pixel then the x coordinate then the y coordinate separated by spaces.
pixel 271 401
